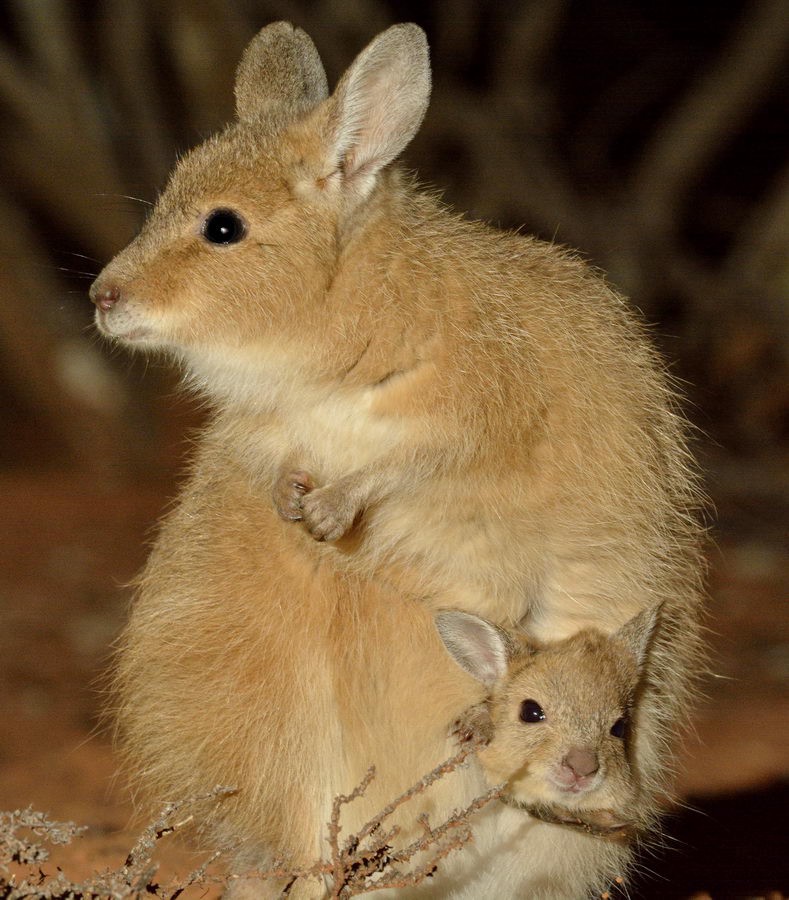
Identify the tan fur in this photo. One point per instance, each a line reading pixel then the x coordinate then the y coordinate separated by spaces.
pixel 299 670
pixel 515 436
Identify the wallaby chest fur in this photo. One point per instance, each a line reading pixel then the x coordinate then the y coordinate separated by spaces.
pixel 484 409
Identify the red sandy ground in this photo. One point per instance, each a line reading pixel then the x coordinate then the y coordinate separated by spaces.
pixel 68 549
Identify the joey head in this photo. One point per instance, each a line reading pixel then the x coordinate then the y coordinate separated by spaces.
pixel 557 723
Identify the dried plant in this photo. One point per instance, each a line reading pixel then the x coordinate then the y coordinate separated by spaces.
pixel 25 833
pixel 371 859
pixel 368 861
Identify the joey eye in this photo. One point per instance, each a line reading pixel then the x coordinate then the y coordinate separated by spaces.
pixel 531 712
pixel 619 728
pixel 223 226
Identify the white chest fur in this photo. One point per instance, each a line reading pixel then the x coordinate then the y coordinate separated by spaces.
pixel 289 413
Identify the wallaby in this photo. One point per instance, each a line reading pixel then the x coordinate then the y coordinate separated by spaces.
pixel 484 425
pixel 557 720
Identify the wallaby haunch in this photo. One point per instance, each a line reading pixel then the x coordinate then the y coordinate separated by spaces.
pixel 484 426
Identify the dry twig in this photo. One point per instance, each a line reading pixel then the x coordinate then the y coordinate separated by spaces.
pixel 367 860
pixel 24 833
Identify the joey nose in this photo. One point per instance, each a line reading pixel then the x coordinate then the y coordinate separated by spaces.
pixel 105 297
pixel 581 762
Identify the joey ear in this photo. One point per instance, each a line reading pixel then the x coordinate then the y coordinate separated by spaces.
pixel 475 644
pixel 280 68
pixel 637 633
pixel 379 103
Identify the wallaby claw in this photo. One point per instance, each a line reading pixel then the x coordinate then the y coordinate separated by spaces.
pixel 327 512
pixel 289 491
pixel 474 725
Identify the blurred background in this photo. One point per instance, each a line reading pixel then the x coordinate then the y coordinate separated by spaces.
pixel 650 134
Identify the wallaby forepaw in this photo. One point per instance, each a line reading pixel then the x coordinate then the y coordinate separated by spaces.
pixel 289 491
pixel 328 513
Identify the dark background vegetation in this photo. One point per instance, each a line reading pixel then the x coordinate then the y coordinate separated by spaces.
pixel 651 135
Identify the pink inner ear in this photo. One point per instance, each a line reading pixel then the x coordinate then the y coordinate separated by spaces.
pixel 372 135
pixel 478 646
pixel 486 648
pixel 381 100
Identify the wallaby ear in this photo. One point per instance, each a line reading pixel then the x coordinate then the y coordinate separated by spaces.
pixel 475 644
pixel 637 633
pixel 280 69
pixel 379 103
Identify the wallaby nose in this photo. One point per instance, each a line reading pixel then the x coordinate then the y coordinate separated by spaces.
pixel 105 297
pixel 581 762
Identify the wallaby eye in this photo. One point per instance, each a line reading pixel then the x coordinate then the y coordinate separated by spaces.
pixel 619 728
pixel 223 226
pixel 531 712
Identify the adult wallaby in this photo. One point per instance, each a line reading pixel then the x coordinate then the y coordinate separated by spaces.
pixel 475 419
